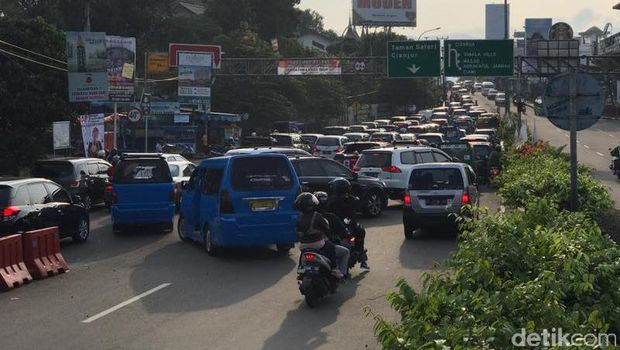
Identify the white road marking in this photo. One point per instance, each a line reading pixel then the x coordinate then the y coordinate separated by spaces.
pixel 125 303
pixel 586 146
pixel 600 154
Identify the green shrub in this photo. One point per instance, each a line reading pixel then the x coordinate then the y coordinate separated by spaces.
pixel 544 172
pixel 537 269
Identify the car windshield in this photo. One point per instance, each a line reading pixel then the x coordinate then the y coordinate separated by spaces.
pixel 436 179
pixel 261 174
pixel 5 196
pixel 309 139
pixel 283 140
pixel 174 170
pixel 139 171
pixel 375 160
pixel 328 141
pixel 53 170
pixel 482 151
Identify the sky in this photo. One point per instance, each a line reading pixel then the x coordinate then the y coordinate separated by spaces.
pixel 465 19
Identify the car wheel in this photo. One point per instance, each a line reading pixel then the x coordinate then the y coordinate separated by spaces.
pixel 88 202
pixel 210 247
pixel 181 229
pixel 374 205
pixel 409 229
pixel 83 231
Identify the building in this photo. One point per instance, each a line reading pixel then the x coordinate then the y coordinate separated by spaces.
pixel 496 27
pixel 536 29
pixel 589 41
pixel 314 40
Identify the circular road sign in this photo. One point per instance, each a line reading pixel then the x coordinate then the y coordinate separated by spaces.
pixel 134 115
pixel 589 100
pixel 360 66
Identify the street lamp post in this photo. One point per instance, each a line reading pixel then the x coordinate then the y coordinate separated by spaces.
pixel 430 30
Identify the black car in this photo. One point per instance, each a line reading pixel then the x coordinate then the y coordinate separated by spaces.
pixel 316 173
pixel 85 177
pixel 32 204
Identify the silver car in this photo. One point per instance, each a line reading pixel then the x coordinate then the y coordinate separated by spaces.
pixel 436 191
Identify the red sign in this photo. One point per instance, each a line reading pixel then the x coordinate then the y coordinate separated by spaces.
pixel 174 50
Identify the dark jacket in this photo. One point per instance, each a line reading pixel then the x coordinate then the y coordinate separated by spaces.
pixel 344 207
pixel 311 227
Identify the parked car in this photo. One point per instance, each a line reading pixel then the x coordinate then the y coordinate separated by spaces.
pixel 315 174
pixel 289 140
pixel 391 165
pixel 432 138
pixel 310 139
pixel 385 137
pixel 142 192
pixel 435 192
pixel 352 151
pixel 32 204
pixel 261 150
pixel 241 200
pixel 357 136
pixel 336 130
pixel 85 177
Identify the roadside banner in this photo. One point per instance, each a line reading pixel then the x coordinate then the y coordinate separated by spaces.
pixel 158 63
pixel 92 134
pixel 62 134
pixel 309 67
pixel 195 72
pixel 121 55
pixel 87 66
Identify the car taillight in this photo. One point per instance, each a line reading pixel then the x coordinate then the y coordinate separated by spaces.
pixel 465 198
pixel 391 169
pixel 309 257
pixel 108 188
pixel 8 213
pixel 407 200
pixel 226 204
pixel 356 169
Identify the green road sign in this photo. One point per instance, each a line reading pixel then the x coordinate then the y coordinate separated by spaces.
pixel 485 58
pixel 413 59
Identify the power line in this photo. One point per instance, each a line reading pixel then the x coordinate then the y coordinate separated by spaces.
pixel 32 52
pixel 33 61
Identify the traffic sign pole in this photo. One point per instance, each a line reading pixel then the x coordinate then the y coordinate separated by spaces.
pixel 573 142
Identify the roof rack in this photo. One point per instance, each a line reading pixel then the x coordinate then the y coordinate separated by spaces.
pixel 141 155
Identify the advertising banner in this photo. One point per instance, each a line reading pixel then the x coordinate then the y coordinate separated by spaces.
pixel 87 66
pixel 195 72
pixel 396 13
pixel 158 63
pixel 92 134
pixel 121 55
pixel 309 67
pixel 62 135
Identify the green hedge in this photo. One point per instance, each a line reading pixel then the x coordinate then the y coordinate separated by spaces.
pixel 540 268
pixel 543 172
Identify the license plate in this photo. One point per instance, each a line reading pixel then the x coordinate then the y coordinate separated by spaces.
pixel 327 152
pixel 372 174
pixel 263 204
pixel 437 202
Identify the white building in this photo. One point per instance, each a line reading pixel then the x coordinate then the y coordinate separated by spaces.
pixel 496 21
pixel 589 41
pixel 314 40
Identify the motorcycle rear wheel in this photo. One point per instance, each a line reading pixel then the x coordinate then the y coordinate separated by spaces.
pixel 312 300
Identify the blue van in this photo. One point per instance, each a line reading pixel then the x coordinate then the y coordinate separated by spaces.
pixel 142 192
pixel 241 200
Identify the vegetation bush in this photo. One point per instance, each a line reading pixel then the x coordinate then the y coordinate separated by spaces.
pixel 542 171
pixel 538 268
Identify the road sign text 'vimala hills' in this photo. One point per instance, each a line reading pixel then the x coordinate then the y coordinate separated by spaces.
pixel 479 58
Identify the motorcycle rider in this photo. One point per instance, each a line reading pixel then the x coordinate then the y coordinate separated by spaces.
pixel 615 159
pixel 312 228
pixel 344 205
pixel 337 232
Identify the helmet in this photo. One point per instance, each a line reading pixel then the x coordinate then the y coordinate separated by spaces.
pixel 339 186
pixel 322 197
pixel 306 202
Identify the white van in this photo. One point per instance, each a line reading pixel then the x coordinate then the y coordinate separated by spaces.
pixel 486 86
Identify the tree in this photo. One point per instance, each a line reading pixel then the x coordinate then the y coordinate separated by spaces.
pixel 31 96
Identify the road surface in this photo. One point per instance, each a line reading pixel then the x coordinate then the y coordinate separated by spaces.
pixel 147 290
pixel 593 144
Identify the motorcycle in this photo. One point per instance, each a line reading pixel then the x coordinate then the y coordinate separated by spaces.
pixel 349 241
pixel 615 161
pixel 314 277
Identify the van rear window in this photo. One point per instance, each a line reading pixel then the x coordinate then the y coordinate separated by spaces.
pixel 261 174
pixel 142 171
pixel 436 179
pixel 375 160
